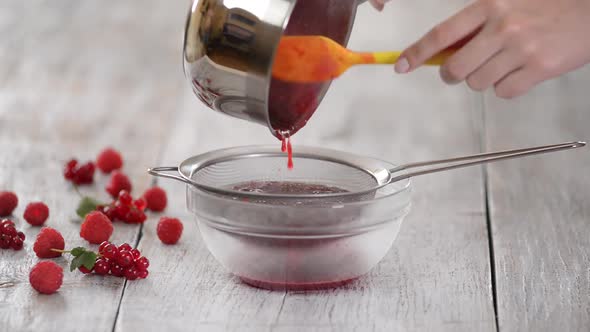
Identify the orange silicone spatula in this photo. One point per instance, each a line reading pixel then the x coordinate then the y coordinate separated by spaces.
pixel 310 59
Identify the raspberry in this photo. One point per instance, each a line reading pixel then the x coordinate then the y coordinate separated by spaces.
pixel 169 230
pixel 118 182
pixel 47 239
pixel 109 160
pixel 46 277
pixel 36 213
pixel 156 199
pixel 96 228
pixel 8 202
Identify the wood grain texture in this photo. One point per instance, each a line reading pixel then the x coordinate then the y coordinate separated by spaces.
pixel 539 208
pixel 76 78
pixel 436 277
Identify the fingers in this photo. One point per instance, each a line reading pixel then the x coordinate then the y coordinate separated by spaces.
pixel 494 70
pixel 441 37
pixel 378 4
pixel 517 83
pixel 471 56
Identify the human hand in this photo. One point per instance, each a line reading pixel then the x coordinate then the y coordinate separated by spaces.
pixel 511 45
pixel 378 4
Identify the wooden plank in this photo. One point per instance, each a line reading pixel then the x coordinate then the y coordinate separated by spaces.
pixel 436 277
pixel 539 208
pixel 82 79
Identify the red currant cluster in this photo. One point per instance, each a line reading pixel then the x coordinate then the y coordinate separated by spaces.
pixel 125 209
pixel 122 261
pixel 79 174
pixel 9 237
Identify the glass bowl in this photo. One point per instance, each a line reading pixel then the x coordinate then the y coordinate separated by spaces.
pixel 291 241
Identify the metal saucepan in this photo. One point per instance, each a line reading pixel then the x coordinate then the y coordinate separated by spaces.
pixel 228 52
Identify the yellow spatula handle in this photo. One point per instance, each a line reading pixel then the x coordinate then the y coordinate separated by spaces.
pixel 391 58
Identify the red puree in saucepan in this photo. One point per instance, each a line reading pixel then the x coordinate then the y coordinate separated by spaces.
pixel 292 104
pixel 295 271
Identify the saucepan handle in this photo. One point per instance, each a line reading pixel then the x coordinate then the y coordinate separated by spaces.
pixel 164 172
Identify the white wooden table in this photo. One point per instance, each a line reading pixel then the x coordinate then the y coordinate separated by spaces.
pixel 503 247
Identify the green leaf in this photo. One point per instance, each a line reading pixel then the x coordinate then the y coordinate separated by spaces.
pixel 86 205
pixel 77 251
pixel 76 263
pixel 88 259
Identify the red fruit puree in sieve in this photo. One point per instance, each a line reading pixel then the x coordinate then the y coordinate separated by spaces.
pixel 292 104
pixel 302 259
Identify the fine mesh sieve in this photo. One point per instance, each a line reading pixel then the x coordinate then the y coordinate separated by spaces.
pixel 220 171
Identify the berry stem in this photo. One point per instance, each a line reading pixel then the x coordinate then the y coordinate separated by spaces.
pixel 78 191
pixel 69 252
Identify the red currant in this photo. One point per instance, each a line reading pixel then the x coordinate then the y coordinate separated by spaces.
pixel 84 270
pixel 135 253
pixel 125 198
pixel 133 217
pixel 142 264
pixel 142 274
pixel 69 170
pixel 21 235
pixel 131 273
pixel 17 243
pixel 125 247
pixel 5 222
pixel 121 211
pixel 140 204
pixel 124 258
pixel 117 270
pixel 84 174
pixel 9 230
pixel 5 241
pixel 101 267
pixel 109 251
pixel 110 212
pixel 102 246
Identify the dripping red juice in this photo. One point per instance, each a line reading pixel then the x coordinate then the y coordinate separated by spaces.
pixel 291 105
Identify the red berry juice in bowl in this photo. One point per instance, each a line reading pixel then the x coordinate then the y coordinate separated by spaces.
pixel 308 259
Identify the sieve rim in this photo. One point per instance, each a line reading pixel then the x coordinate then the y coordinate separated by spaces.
pixel 376 168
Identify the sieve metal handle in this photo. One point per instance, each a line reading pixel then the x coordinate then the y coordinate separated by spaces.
pixel 161 172
pixel 477 159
